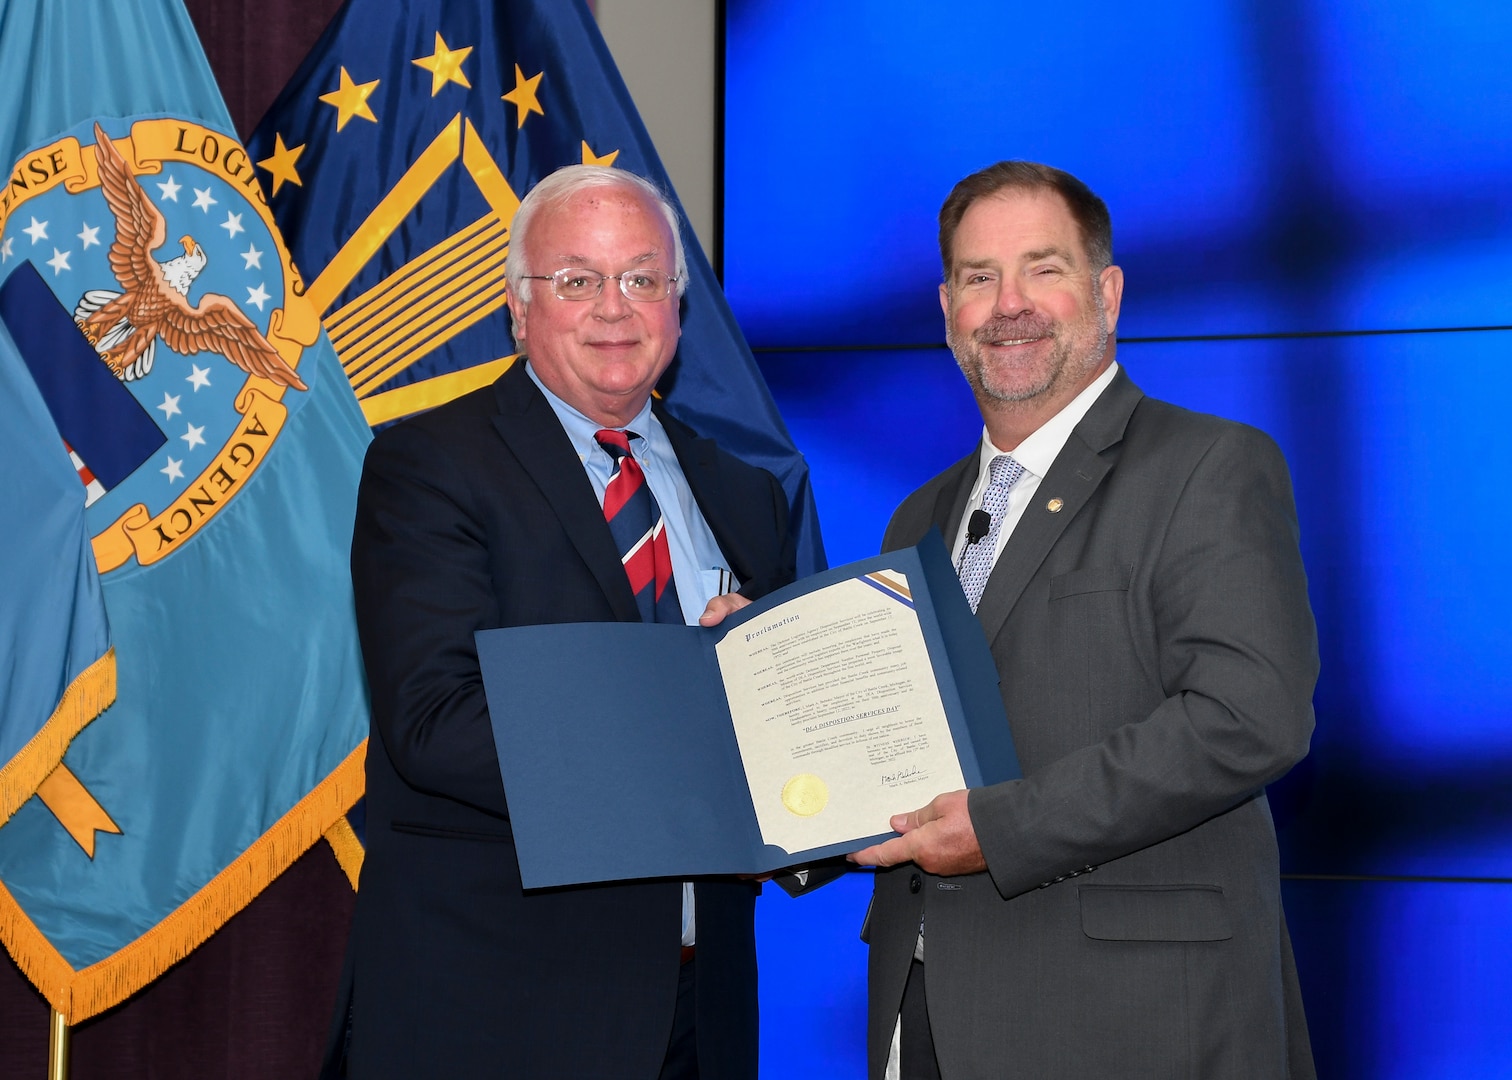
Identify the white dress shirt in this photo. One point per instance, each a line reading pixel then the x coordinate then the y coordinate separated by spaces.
pixel 1036 454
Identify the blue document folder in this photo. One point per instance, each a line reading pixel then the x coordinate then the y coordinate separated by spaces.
pixel 619 754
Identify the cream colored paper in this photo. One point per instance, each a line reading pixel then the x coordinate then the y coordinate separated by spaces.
pixel 837 713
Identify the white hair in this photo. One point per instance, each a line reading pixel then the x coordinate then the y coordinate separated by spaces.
pixel 562 185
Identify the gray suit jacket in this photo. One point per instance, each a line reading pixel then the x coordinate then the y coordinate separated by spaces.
pixel 1157 656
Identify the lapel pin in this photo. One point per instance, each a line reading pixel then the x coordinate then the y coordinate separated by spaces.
pixel 1054 505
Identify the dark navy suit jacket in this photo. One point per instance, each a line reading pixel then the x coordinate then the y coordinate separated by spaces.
pixel 479 514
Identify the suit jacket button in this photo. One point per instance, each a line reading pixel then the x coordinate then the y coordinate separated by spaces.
pixel 914 883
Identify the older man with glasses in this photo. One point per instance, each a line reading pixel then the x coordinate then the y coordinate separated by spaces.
pixel 561 493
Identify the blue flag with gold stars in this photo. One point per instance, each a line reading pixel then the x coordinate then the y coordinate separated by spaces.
pixel 395 160
pixel 179 483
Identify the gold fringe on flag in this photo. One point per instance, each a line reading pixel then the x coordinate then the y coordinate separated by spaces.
pixel 349 850
pixel 81 994
pixel 87 697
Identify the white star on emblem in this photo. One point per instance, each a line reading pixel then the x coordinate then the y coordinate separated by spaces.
pixel 232 224
pixel 59 261
pixel 200 378
pixel 194 436
pixel 5 248
pixel 89 235
pixel 37 230
pixel 203 200
pixel 169 406
pixel 258 296
pixel 170 189
pixel 173 471
pixel 253 258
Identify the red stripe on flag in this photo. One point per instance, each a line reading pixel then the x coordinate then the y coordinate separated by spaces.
pixel 85 473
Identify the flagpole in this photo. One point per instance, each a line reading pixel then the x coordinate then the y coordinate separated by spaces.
pixel 57 1048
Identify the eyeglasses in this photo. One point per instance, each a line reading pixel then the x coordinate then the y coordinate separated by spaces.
pixel 578 283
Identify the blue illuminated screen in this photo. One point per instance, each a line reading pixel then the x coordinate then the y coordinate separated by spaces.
pixel 1312 204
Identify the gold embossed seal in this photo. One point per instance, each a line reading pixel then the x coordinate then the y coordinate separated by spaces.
pixel 805 795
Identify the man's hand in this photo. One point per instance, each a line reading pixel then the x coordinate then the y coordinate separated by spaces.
pixel 721 606
pixel 939 838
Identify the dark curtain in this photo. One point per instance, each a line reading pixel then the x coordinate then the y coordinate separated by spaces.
pixel 254 47
pixel 255 1000
pixel 252 1003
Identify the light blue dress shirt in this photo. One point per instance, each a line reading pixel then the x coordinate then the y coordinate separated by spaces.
pixel 698 566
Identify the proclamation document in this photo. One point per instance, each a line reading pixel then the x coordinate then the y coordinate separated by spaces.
pixel 792 731
pixel 837 712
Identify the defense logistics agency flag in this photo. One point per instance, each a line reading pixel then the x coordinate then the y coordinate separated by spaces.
pixel 147 297
pixel 396 158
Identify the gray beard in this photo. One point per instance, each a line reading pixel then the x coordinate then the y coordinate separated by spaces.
pixel 1063 366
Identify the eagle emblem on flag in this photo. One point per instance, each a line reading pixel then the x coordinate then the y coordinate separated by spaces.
pixel 227 290
pixel 154 298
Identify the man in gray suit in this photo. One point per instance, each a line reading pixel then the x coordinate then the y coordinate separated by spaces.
pixel 1135 567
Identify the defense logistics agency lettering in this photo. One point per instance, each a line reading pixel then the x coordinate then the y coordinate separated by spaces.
pixel 151 537
pixel 160 244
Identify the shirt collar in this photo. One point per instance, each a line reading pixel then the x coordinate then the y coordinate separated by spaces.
pixel 579 428
pixel 1039 451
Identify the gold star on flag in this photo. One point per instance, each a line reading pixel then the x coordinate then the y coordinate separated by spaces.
pixel 281 164
pixel 523 96
pixel 590 158
pixel 445 65
pixel 351 100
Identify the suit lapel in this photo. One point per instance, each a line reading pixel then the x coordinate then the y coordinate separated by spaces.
pixel 1078 471
pixel 535 437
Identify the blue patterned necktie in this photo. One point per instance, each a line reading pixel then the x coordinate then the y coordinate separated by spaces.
pixel 635 521
pixel 977 558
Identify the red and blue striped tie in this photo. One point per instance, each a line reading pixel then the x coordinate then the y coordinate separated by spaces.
pixel 635 521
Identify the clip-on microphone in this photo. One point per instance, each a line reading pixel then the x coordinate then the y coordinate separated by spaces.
pixel 978 525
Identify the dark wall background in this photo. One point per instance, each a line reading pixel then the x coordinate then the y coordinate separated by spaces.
pixel 1312 202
